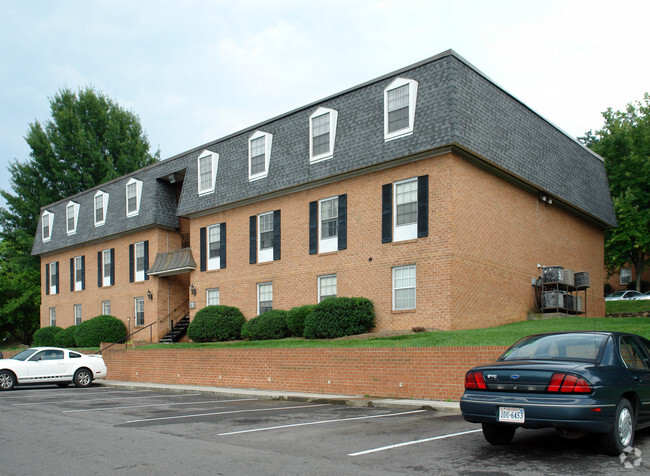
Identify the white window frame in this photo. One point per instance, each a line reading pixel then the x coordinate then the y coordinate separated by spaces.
pixel 214 164
pixel 262 287
pixel 137 319
pixel 264 254
pixel 138 273
pixel 78 273
pixel 49 218
pixel 268 140
pixel 106 308
pixel 104 199
pixel 75 217
pixel 625 276
pixel 213 263
pixel 53 316
pixel 320 286
pixel 106 258
pixel 413 92
pixel 333 118
pixel 54 270
pixel 326 245
pixel 78 317
pixel 138 196
pixel 401 288
pixel 407 231
pixel 212 297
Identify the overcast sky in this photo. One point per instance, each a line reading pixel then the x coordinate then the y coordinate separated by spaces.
pixel 195 71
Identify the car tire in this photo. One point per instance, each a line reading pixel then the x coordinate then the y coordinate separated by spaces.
pixel 498 434
pixel 621 435
pixel 7 380
pixel 83 378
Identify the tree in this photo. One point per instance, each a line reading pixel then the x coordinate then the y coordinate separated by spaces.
pixel 89 140
pixel 624 143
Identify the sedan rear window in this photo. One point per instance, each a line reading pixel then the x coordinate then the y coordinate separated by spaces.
pixel 578 347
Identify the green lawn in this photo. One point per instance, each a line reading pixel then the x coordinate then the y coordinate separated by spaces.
pixel 614 307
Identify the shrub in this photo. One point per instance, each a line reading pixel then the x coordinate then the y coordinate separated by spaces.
pixel 65 337
pixel 270 325
pixel 44 337
pixel 103 328
pixel 338 317
pixel 296 319
pixel 216 323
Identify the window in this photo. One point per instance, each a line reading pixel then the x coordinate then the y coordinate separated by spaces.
pixel 101 205
pixel 400 98
pixel 326 286
pixel 404 287
pixel 328 224
pixel 71 216
pixel 139 261
pixel 139 311
pixel 329 214
pixel 264 297
pixel 79 273
pixel 259 154
pixel 52 278
pixel 106 308
pixel 405 209
pixel 52 316
pixel 214 247
pixel 322 133
pixel 46 226
pixel 631 354
pixel 207 169
pixel 133 195
pixel 212 297
pixel 625 276
pixel 106 268
pixel 77 314
pixel 265 239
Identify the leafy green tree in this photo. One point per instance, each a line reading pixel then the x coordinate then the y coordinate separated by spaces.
pixel 88 140
pixel 624 143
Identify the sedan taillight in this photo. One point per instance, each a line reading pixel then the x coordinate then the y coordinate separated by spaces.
pixel 567 383
pixel 474 381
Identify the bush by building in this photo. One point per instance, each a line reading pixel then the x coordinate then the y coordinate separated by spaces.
pixel 103 328
pixel 270 325
pixel 216 323
pixel 339 317
pixel 65 337
pixel 296 319
pixel 44 337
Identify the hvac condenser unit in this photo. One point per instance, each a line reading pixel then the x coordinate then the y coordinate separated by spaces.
pixel 582 280
pixel 552 274
pixel 553 299
pixel 568 277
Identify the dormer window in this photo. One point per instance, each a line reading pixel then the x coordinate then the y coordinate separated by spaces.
pixel 133 194
pixel 207 170
pixel 71 217
pixel 322 133
pixel 259 155
pixel 400 98
pixel 47 220
pixel 101 205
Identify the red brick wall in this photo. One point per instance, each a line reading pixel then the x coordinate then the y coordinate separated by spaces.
pixel 428 373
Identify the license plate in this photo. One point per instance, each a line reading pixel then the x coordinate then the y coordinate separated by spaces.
pixel 511 415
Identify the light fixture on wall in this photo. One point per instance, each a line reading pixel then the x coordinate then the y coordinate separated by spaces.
pixel 192 290
pixel 149 295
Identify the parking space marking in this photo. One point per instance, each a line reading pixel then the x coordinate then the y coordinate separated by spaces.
pixel 317 423
pixel 101 399
pixel 227 412
pixel 26 394
pixel 414 442
pixel 158 405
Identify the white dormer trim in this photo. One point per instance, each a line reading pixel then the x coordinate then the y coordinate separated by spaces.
pixel 138 196
pixel 73 208
pixel 47 218
pixel 268 139
pixel 333 117
pixel 104 199
pixel 413 92
pixel 214 164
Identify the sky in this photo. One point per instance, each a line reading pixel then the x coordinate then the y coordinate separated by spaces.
pixel 195 71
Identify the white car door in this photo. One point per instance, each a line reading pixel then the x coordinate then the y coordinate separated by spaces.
pixel 46 365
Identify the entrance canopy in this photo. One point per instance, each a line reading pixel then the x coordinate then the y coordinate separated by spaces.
pixel 173 262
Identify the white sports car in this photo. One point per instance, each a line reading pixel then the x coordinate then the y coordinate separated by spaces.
pixel 51 365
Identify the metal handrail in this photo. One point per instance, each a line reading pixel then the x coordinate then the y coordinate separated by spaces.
pixel 124 338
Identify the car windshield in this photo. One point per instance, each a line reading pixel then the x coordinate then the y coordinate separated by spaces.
pixel 578 347
pixel 617 294
pixel 24 355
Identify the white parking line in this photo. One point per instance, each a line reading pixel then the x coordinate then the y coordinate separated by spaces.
pixel 226 413
pixel 101 399
pixel 415 442
pixel 26 394
pixel 317 423
pixel 157 405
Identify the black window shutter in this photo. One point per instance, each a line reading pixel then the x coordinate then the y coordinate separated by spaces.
pixel 253 240
pixel 423 206
pixel 56 278
pixel 222 246
pixel 99 270
pixel 313 228
pixel 204 258
pixel 47 279
pixel 112 266
pixel 146 259
pixel 131 268
pixel 277 236
pixel 387 213
pixel 343 222
pixel 71 274
pixel 83 272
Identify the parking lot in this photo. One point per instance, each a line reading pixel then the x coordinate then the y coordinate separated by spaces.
pixel 105 430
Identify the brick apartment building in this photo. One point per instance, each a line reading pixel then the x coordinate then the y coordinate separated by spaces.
pixel 430 190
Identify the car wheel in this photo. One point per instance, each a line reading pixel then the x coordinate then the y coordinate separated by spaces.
pixel 622 434
pixel 7 380
pixel 498 434
pixel 83 378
